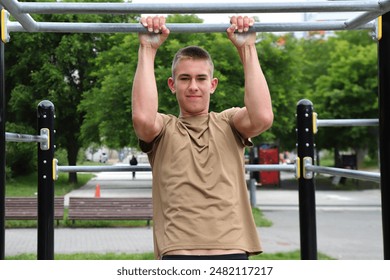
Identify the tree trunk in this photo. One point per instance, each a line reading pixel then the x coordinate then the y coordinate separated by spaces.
pixel 73 150
pixel 337 162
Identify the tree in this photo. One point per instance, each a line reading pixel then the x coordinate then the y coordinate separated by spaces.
pixel 280 57
pixel 56 67
pixel 348 89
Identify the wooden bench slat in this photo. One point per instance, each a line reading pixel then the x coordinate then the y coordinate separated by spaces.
pixel 26 208
pixel 110 208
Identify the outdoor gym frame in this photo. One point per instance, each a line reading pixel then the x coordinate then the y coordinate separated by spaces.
pixel 304 168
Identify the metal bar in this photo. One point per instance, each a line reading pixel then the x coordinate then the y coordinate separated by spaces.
pixel 270 167
pixel 252 192
pixel 204 8
pixel 72 27
pixel 19 11
pixel 368 16
pixel 307 203
pixel 120 168
pixel 16 137
pixel 45 112
pixel 2 151
pixel 348 122
pixel 108 168
pixel 349 173
pixel 25 20
pixel 384 124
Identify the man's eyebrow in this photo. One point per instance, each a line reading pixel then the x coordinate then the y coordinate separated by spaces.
pixel 184 75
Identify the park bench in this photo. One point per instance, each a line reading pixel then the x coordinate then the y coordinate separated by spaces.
pixel 26 208
pixel 110 208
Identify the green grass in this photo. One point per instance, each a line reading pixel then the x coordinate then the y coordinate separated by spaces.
pixel 294 255
pixel 259 218
pixel 28 185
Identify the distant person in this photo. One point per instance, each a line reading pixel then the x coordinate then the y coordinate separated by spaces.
pixel 201 206
pixel 133 161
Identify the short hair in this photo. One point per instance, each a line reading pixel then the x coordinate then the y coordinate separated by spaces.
pixel 192 52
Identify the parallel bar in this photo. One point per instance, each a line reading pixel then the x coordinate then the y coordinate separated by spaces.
pixel 204 8
pixel 25 20
pixel 107 168
pixel 270 167
pixel 16 137
pixel 348 122
pixel 69 27
pixel 20 12
pixel 356 174
pixel 368 16
pixel 349 173
pixel 114 168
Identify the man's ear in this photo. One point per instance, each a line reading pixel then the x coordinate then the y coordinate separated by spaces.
pixel 171 85
pixel 214 84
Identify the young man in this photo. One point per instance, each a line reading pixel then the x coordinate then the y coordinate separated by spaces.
pixel 201 207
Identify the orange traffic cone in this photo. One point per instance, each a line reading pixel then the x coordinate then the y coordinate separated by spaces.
pixel 97 191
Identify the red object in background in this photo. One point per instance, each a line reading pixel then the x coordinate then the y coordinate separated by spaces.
pixel 269 156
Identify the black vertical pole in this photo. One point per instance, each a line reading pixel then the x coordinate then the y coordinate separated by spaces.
pixel 384 124
pixel 46 116
pixel 2 152
pixel 307 204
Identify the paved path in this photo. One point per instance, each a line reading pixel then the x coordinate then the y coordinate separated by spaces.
pixel 348 223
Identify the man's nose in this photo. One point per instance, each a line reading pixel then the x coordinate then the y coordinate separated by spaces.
pixel 193 84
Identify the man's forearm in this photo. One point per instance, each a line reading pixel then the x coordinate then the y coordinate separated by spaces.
pixel 144 95
pixel 257 97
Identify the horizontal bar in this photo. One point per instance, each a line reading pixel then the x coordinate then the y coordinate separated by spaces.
pixel 16 137
pixel 102 168
pixel 12 6
pixel 270 167
pixel 196 8
pixel 348 122
pixel 20 12
pixel 348 173
pixel 368 16
pixel 120 168
pixel 69 27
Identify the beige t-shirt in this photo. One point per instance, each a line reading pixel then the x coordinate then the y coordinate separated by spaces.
pixel 200 198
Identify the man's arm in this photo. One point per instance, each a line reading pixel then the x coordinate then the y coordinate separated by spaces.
pixel 257 115
pixel 146 120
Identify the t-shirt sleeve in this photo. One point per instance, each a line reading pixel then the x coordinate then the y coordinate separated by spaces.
pixel 148 147
pixel 229 113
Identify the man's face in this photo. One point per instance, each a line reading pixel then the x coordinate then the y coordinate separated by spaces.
pixel 193 86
